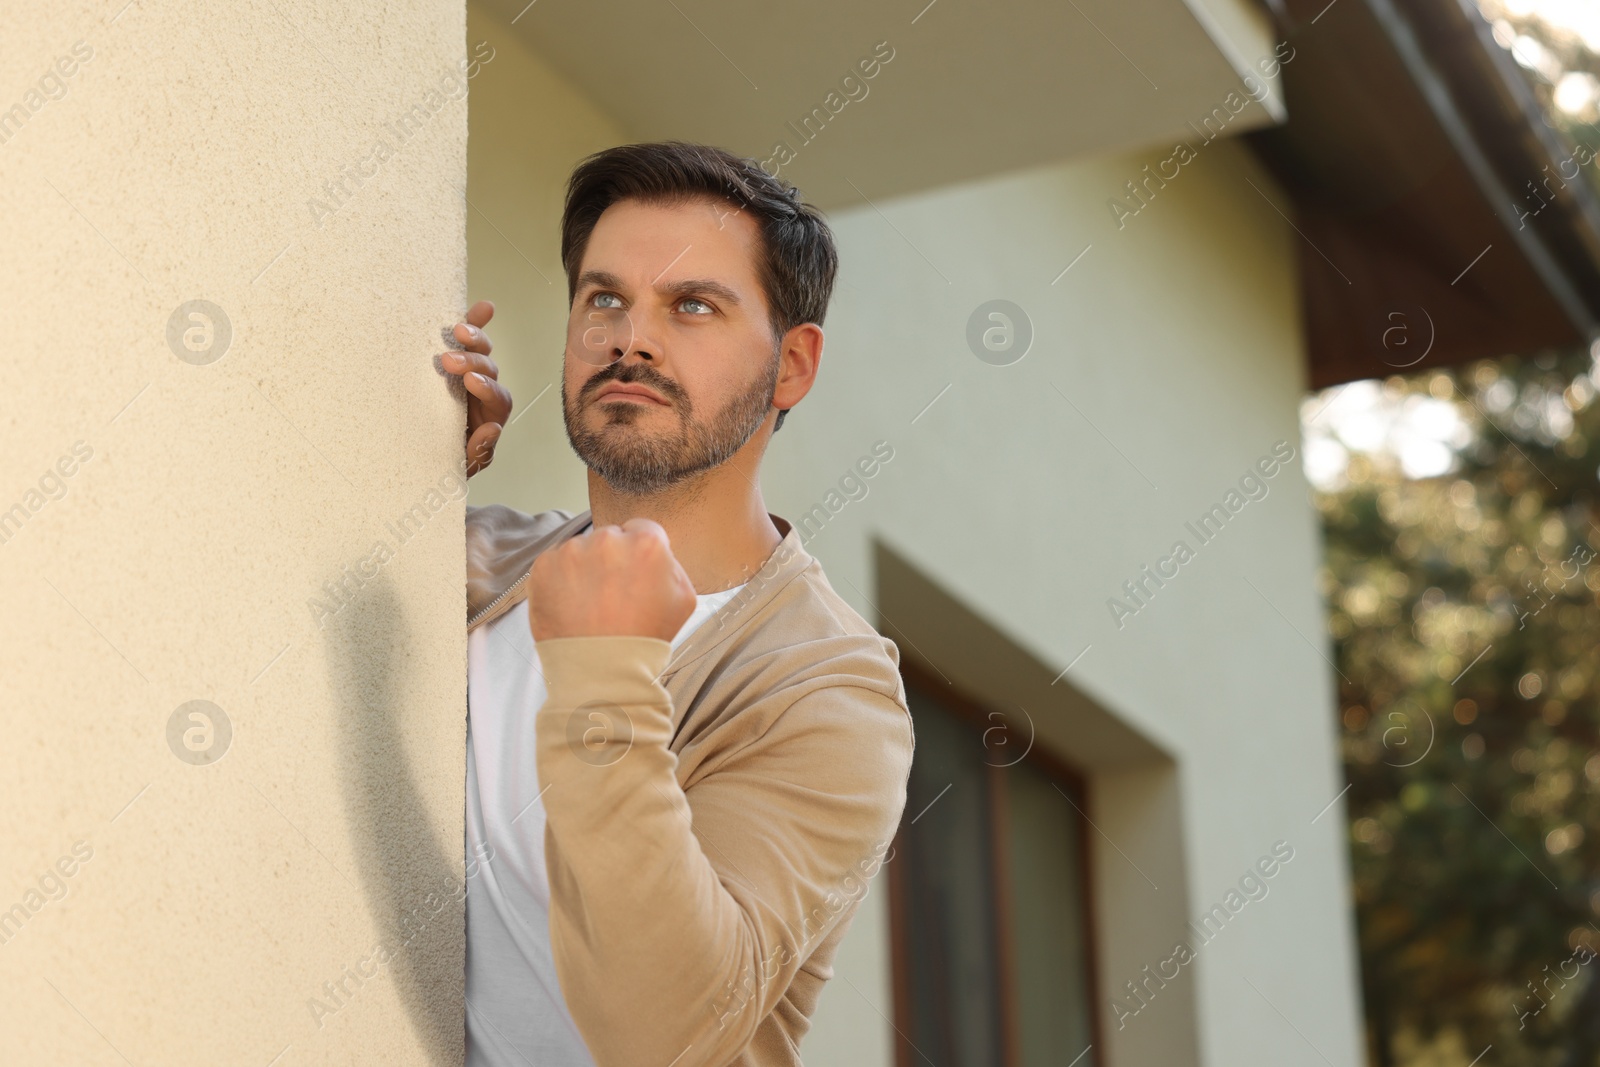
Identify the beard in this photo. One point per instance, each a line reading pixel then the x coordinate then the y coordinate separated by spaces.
pixel 632 461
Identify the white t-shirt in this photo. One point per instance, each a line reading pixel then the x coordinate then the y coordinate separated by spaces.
pixel 516 1015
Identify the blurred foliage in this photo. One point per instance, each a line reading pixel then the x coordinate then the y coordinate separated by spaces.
pixel 1557 44
pixel 1465 617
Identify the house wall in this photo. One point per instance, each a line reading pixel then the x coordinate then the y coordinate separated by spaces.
pixel 198 890
pixel 1165 364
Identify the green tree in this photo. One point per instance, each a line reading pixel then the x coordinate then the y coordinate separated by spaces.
pixel 1465 617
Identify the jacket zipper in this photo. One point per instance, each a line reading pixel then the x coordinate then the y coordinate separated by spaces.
pixel 511 589
pixel 496 601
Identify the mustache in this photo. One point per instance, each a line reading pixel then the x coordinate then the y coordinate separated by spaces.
pixel 635 373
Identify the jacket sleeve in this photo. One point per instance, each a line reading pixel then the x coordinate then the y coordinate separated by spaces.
pixel 678 918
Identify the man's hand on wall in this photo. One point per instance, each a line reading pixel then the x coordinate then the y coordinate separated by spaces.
pixel 613 581
pixel 488 402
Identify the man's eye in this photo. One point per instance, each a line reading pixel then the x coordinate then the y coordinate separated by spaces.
pixel 598 297
pixel 689 304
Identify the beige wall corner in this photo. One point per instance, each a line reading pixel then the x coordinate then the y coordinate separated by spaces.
pixel 231 516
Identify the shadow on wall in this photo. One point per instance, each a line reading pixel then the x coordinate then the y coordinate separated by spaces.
pixel 413 889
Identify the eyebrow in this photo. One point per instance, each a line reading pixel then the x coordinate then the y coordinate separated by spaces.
pixel 603 279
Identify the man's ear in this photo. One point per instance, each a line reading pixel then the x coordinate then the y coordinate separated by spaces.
pixel 799 357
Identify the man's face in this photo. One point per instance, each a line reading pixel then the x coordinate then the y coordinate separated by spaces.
pixel 668 303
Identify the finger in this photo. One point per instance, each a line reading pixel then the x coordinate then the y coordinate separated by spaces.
pixel 494 398
pixel 473 338
pixel 476 362
pixel 480 447
pixel 480 313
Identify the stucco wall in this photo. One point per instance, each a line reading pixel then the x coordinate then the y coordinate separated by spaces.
pixel 191 489
pixel 1164 364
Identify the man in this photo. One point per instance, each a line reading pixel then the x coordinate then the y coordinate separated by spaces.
pixel 686 754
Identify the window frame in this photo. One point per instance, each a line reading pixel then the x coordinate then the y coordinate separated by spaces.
pixel 976 714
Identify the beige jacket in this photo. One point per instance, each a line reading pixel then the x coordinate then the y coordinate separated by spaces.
pixel 713 819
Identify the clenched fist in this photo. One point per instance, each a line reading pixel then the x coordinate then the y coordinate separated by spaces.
pixel 610 581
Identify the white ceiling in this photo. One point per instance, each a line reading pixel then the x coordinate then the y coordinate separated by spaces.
pixel 975 87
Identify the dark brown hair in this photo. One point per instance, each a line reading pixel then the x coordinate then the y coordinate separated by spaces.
pixel 798 259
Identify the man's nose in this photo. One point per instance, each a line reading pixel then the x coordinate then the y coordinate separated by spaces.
pixel 639 338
